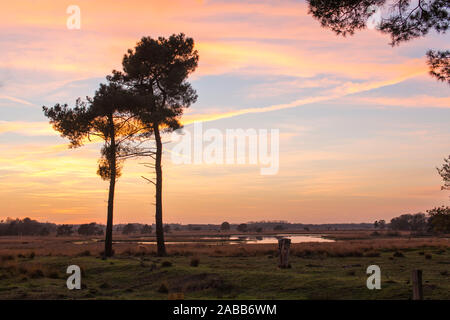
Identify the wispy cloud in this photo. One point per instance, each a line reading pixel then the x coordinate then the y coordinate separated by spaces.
pixel 27 128
pixel 417 101
pixel 343 90
pixel 17 100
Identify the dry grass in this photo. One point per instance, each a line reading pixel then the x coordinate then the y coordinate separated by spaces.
pixel 332 270
pixel 25 268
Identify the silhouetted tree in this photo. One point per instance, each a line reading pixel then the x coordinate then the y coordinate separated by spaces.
pixel 242 227
pixel 44 232
pixel 278 227
pixel 439 219
pixel 225 226
pixel 156 71
pixel 64 230
pixel 439 62
pixel 107 117
pixel 25 227
pixel 409 222
pixel 407 20
pixel 129 228
pixel 379 224
pixel 444 172
pixel 90 229
pixel 146 229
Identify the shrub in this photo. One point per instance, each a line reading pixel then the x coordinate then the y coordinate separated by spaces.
pixel 166 264
pixel 372 254
pixel 53 274
pixel 22 270
pixel 37 273
pixel 398 254
pixel 7 257
pixel 195 262
pixel 163 288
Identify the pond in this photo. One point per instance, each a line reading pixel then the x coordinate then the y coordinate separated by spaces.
pixel 236 239
pixel 221 240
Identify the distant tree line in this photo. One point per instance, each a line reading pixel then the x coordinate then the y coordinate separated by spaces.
pixel 25 227
pixel 130 228
pixel 90 229
pixel 436 220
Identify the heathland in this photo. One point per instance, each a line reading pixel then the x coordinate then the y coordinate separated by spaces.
pixel 35 268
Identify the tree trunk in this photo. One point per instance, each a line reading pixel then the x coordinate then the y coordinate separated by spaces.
pixel 158 213
pixel 112 185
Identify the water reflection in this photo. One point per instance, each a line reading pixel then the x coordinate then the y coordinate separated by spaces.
pixel 295 238
pixel 236 239
pixel 221 240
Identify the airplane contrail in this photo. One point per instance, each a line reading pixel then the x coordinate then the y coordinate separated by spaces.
pixel 16 100
pixel 339 92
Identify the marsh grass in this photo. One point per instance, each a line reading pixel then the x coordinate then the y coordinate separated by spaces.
pixel 224 277
pixel 334 270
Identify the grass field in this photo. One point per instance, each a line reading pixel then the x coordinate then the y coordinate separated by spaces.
pixel 318 270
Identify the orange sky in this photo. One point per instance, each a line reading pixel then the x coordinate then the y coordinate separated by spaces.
pixel 362 125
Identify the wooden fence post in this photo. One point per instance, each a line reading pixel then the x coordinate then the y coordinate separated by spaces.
pixel 283 250
pixel 417 285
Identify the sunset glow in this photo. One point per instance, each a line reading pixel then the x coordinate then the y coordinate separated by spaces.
pixel 362 124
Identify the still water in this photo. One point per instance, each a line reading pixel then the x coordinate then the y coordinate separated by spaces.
pixel 236 239
pixel 233 239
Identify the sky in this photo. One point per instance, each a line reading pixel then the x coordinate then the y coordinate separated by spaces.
pixel 362 126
